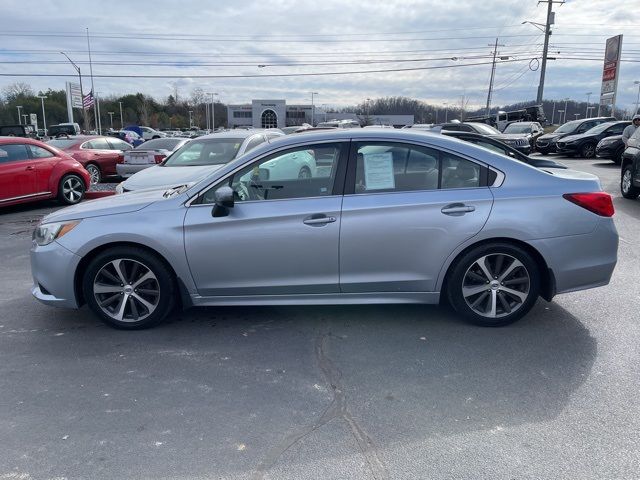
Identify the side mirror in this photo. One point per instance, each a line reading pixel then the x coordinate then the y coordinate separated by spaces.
pixel 224 201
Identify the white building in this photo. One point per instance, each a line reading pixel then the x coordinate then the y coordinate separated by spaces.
pixel 268 114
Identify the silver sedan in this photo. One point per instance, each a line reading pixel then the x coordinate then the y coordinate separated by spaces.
pixel 385 216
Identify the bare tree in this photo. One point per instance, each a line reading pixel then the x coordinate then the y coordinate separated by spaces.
pixel 143 109
pixel 17 89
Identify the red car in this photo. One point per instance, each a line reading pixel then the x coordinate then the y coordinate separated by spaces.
pixel 99 155
pixel 31 170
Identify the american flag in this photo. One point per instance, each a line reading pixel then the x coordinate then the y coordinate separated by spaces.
pixel 88 100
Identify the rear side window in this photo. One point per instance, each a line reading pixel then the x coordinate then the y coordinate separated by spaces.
pixel 397 167
pixel 117 144
pixel 13 153
pixel 616 129
pixel 39 152
pixel 97 144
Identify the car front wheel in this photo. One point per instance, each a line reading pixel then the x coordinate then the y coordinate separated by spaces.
pixel 94 173
pixel 129 288
pixel 588 150
pixel 494 284
pixel 626 183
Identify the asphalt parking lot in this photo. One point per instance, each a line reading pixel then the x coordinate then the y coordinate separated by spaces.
pixel 358 392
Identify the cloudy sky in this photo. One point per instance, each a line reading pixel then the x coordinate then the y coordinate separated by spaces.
pixel 440 48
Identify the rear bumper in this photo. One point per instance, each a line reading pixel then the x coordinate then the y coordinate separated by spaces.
pixel 605 152
pixel 53 269
pixel 580 262
pixel 126 170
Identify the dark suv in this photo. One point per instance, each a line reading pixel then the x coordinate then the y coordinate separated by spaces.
pixel 547 143
pixel 584 144
pixel 519 141
pixel 630 174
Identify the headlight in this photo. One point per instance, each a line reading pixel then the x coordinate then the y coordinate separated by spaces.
pixel 605 141
pixel 119 188
pixel 47 232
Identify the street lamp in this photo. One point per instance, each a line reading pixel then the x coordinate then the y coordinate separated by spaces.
pixel 84 110
pixel 19 121
pixel 560 112
pixel 324 109
pixel 44 119
pixel 565 109
pixel 111 118
pixel 446 111
pixel 588 94
pixel 576 115
pixel 637 82
pixel 213 111
pixel 190 121
pixel 24 115
pixel 590 110
pixel 313 109
pixel 121 121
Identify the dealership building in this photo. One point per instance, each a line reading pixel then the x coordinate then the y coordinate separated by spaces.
pixel 277 114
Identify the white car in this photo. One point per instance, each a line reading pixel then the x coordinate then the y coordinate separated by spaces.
pixel 197 159
pixel 148 154
pixel 148 133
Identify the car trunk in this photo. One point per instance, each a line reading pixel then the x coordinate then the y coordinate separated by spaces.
pixel 144 157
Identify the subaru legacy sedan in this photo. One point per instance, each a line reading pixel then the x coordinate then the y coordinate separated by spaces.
pixel 389 216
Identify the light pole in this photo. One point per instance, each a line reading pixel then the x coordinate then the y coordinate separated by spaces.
pixel 121 121
pixel 313 109
pixel 576 115
pixel 111 118
pixel 446 111
pixel 560 112
pixel 565 109
pixel 324 109
pixel 19 121
pixel 44 119
pixel 24 115
pixel 588 94
pixel 213 112
pixel 590 110
pixel 553 112
pixel 84 110
pixel 637 82
pixel 190 121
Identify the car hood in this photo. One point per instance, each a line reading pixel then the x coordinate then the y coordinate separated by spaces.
pixel 511 136
pixel 550 136
pixel 111 205
pixel 161 177
pixel 571 138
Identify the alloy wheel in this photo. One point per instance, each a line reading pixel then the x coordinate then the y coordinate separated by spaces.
pixel 496 285
pixel 94 173
pixel 588 151
pixel 72 189
pixel 126 290
pixel 626 181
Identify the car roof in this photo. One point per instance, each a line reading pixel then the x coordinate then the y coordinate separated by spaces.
pixel 237 133
pixel 11 139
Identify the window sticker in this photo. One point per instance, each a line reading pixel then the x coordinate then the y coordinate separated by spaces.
pixel 378 171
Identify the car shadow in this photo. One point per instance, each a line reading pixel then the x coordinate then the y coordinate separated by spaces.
pixel 403 372
pixel 609 165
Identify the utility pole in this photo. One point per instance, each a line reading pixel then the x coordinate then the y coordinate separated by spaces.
pixel 96 114
pixel 313 109
pixel 553 112
pixel 19 117
pixel 111 118
pixel 547 34
pixel 44 119
pixel 588 94
pixel 565 109
pixel 493 72
pixel 121 121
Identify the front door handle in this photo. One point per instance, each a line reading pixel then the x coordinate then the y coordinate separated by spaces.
pixel 317 220
pixel 457 209
pixel 30 167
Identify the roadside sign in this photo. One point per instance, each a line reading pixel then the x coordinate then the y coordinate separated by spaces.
pixel 73 90
pixel 33 118
pixel 610 71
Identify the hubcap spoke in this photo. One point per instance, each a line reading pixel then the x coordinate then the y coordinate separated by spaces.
pixel 480 299
pixel 134 308
pixel 493 303
pixel 503 302
pixel 471 291
pixel 103 288
pixel 520 295
pixel 117 265
pixel 482 263
pixel 515 264
pixel 142 279
pixel 119 315
pixel 109 300
pixel 151 307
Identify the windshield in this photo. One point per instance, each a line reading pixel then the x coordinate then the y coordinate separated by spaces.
pixel 515 128
pixel 486 129
pixel 160 144
pixel 599 128
pixel 568 127
pixel 62 143
pixel 210 151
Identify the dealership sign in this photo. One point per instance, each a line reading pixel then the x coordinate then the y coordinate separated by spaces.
pixel 611 70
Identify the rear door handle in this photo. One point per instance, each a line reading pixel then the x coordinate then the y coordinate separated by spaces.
pixel 457 209
pixel 317 220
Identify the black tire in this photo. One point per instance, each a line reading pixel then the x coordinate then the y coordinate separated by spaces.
pixel 155 136
pixel 508 309
pixel 71 189
pixel 94 173
pixel 164 282
pixel 626 183
pixel 588 150
pixel 304 172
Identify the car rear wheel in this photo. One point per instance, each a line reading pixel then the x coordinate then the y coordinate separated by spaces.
pixel 129 288
pixel 94 173
pixel 494 285
pixel 626 183
pixel 71 189
pixel 588 150
pixel 304 173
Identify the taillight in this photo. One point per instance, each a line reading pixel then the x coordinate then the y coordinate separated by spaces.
pixel 159 158
pixel 599 203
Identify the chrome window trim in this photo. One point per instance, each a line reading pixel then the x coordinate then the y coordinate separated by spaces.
pixel 257 159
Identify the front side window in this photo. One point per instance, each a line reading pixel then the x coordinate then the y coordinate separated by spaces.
pixel 211 151
pixel 398 167
pixel 39 152
pixel 117 144
pixel 13 153
pixel 97 144
pixel 302 172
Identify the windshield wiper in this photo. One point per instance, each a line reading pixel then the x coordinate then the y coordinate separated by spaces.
pixel 175 191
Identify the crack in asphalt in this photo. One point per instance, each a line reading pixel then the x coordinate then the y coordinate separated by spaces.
pixel 337 409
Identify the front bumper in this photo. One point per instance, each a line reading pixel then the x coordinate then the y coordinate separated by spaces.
pixel 525 149
pixel 125 170
pixel 545 146
pixel 568 148
pixel 53 269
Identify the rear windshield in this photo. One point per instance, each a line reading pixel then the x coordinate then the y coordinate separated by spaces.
pixel 160 144
pixel 208 151
pixel 62 143
pixel 486 129
pixel 568 127
pixel 515 128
